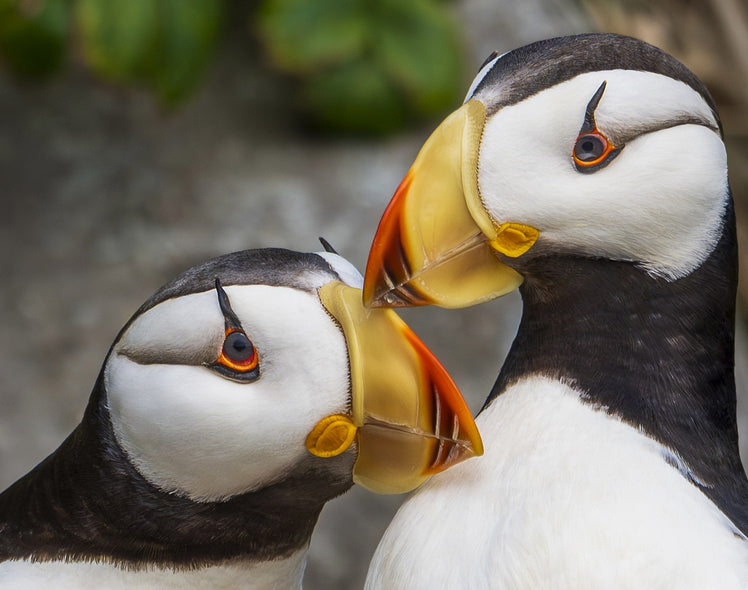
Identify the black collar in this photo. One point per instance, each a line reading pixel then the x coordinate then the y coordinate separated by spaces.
pixel 657 354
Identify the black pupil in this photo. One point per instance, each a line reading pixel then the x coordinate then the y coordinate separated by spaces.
pixel 237 347
pixel 589 148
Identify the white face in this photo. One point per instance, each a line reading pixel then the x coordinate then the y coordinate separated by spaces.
pixel 658 203
pixel 192 431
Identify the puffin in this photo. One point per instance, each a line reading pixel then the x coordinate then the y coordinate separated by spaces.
pixel 590 173
pixel 238 399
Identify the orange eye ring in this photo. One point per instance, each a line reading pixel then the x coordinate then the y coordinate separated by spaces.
pixel 238 353
pixel 592 150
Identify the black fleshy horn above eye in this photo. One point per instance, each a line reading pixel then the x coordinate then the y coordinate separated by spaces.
pixel 592 149
pixel 238 359
pixel 327 246
pixel 589 112
pixel 223 301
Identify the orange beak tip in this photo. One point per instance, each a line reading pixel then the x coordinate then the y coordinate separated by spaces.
pixel 457 454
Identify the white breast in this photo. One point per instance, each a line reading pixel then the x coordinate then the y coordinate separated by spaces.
pixel 565 497
pixel 58 575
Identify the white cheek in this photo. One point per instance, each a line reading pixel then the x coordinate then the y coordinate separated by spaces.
pixel 191 431
pixel 164 331
pixel 659 203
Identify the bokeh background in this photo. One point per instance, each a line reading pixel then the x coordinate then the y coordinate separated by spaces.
pixel 140 137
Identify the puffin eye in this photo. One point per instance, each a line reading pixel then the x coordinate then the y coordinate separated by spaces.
pixel 238 359
pixel 238 350
pixel 592 151
pixel 590 147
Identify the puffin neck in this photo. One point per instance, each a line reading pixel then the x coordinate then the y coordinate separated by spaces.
pixel 87 502
pixel 657 354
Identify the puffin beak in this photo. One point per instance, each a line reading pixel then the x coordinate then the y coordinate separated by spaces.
pixel 407 415
pixel 436 243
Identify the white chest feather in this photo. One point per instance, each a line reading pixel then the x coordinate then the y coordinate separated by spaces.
pixel 565 497
pixel 283 574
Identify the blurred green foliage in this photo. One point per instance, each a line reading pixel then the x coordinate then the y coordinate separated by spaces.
pixel 364 66
pixel 164 44
pixel 33 35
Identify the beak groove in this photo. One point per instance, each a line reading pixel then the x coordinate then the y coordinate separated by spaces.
pixel 388 262
pixel 452 426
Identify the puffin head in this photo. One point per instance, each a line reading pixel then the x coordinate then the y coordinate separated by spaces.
pixel 597 146
pixel 261 364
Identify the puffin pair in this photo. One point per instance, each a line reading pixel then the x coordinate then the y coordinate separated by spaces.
pixel 239 398
pixel 589 172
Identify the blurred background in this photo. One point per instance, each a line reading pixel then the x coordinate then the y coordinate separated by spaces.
pixel 140 137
